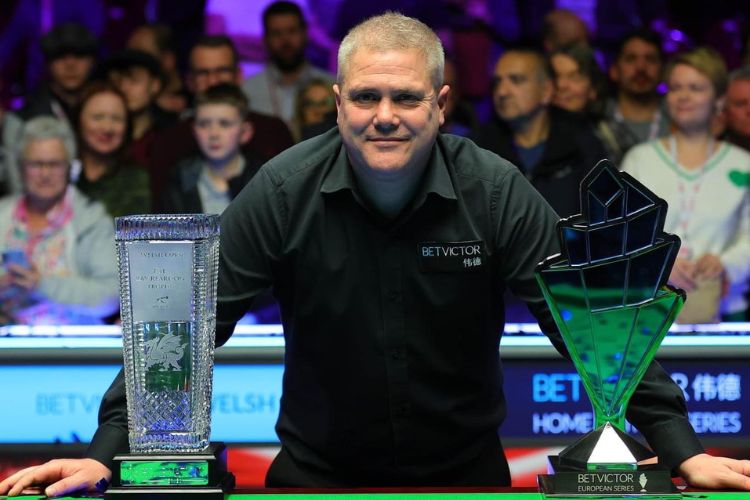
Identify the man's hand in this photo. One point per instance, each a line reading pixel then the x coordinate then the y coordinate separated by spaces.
pixel 63 476
pixel 683 274
pixel 706 471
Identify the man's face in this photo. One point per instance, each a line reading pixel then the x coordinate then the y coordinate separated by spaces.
pixel 638 69
pixel 737 108
pixel 520 88
pixel 71 71
pixel 139 86
pixel 210 66
pixel 220 131
pixel 285 39
pixel 388 110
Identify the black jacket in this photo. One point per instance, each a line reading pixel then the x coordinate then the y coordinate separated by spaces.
pixel 181 194
pixel 571 151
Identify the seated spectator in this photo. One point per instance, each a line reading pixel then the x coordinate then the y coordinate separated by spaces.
pixel 554 148
pixel 213 60
pixel 57 245
pixel 10 127
pixel 580 87
pixel 157 40
pixel 274 90
pixel 139 77
pixel 207 182
pixel 315 109
pixel 704 181
pixel 107 175
pixel 737 108
pixel 69 50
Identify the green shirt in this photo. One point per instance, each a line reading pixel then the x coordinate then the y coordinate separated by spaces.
pixel 124 190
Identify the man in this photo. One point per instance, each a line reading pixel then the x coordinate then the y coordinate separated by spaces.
pixel 274 90
pixel 157 40
pixel 213 60
pixel 140 78
pixel 555 149
pixel 69 50
pixel 392 372
pixel 636 71
pixel 737 108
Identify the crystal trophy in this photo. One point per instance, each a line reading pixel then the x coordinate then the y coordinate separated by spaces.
pixel 608 295
pixel 168 266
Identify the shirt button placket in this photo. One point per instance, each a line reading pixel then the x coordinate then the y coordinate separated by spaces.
pixel 391 278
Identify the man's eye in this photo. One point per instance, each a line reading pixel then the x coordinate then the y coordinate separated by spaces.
pixel 407 99
pixel 365 98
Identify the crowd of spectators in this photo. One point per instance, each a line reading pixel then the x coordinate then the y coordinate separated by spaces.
pixel 100 138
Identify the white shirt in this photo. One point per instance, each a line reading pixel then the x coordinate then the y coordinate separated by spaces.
pixel 709 208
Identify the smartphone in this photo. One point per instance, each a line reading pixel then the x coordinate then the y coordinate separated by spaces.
pixel 15 256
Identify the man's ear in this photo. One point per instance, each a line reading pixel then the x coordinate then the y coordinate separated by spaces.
pixel 442 101
pixel 337 97
pixel 248 130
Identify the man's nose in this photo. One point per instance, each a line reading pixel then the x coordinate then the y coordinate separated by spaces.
pixel 502 88
pixel 385 114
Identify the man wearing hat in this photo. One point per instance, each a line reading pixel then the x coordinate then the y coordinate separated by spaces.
pixel 69 50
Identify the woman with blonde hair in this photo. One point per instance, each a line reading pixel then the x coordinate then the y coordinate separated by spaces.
pixel 705 182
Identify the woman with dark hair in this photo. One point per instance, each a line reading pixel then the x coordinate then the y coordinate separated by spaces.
pixel 106 174
pixel 580 87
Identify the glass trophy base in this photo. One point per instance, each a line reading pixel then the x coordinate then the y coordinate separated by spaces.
pixel 196 476
pixel 646 481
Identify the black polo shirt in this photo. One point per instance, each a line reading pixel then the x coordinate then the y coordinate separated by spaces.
pixel 392 370
pixel 392 328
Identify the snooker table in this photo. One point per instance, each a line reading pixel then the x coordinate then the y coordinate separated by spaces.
pixel 422 494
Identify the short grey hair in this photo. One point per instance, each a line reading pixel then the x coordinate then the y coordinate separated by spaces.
pixel 742 73
pixel 46 127
pixel 393 31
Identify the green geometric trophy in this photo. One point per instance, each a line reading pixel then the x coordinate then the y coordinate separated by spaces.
pixel 607 292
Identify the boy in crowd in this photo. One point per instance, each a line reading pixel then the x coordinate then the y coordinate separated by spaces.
pixel 139 76
pixel 207 182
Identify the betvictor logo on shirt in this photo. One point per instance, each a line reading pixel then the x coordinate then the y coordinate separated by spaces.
pixel 454 256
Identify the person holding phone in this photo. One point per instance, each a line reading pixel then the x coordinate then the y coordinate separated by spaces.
pixel 56 244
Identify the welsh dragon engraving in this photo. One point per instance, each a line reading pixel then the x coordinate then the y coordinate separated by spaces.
pixel 166 351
